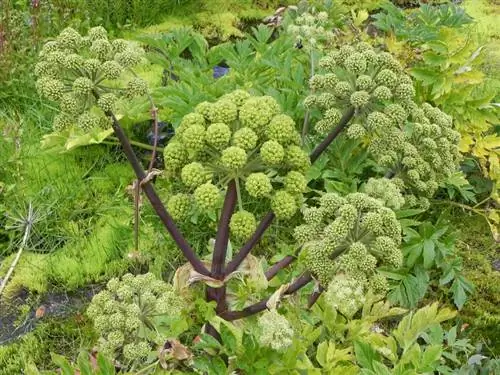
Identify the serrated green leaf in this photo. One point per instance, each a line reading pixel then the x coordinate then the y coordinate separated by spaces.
pixel 431 355
pixel 321 353
pixel 429 253
pixel 380 369
pixel 365 354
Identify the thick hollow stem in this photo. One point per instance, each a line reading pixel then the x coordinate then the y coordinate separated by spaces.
pixel 278 266
pixel 313 298
pixel 155 201
pixel 245 250
pixel 220 248
pixel 302 281
pixel 222 237
pixel 333 134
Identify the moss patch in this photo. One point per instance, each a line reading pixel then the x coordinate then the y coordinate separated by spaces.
pixel 478 249
pixel 65 337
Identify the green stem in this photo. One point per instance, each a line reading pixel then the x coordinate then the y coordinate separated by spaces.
pixel 238 193
pixel 135 143
pixel 305 126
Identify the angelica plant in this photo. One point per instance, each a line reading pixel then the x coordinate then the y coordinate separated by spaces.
pixel 80 72
pixel 243 147
pixel 415 144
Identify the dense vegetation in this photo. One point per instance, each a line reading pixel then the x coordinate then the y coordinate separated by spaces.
pixel 208 187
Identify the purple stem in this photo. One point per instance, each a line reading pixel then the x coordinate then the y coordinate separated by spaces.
pixel 278 266
pixel 220 247
pixel 302 281
pixel 158 206
pixel 245 250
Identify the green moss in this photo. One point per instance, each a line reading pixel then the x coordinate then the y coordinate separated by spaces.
pixel 65 337
pixel 30 273
pixel 477 247
pixel 217 20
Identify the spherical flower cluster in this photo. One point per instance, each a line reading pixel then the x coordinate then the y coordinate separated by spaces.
pixel 233 157
pixel 218 135
pixel 256 145
pixel 295 182
pixel 258 185
pixel 415 143
pixel 343 234
pixel 284 204
pixel 106 102
pixel 275 330
pixel 345 295
pixel 257 112
pixel 179 206
pixel 174 155
pixel 125 312
pixel 224 111
pixel 194 174
pixel 70 72
pixel 242 225
pixel 207 196
pixel 359 99
pixel 272 153
pixel 136 87
pixel 245 138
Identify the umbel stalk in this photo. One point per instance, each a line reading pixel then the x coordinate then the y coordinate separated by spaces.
pixel 219 269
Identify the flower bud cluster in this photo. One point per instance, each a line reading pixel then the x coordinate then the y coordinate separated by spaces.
pixel 354 234
pixel 125 311
pixel 275 330
pixel 311 30
pixel 75 70
pixel 239 137
pixel 345 295
pixel 415 142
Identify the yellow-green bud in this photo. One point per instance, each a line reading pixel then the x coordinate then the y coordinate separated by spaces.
pixel 179 206
pixel 272 152
pixel 245 138
pixel 218 135
pixel 233 157
pixel 284 205
pixel 207 196
pixel 136 87
pixel 83 86
pixel 194 174
pixel 295 182
pixel 242 225
pixel 258 185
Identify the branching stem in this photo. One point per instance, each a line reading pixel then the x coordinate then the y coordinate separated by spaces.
pixel 299 283
pixel 155 201
pixel 278 266
pixel 268 219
